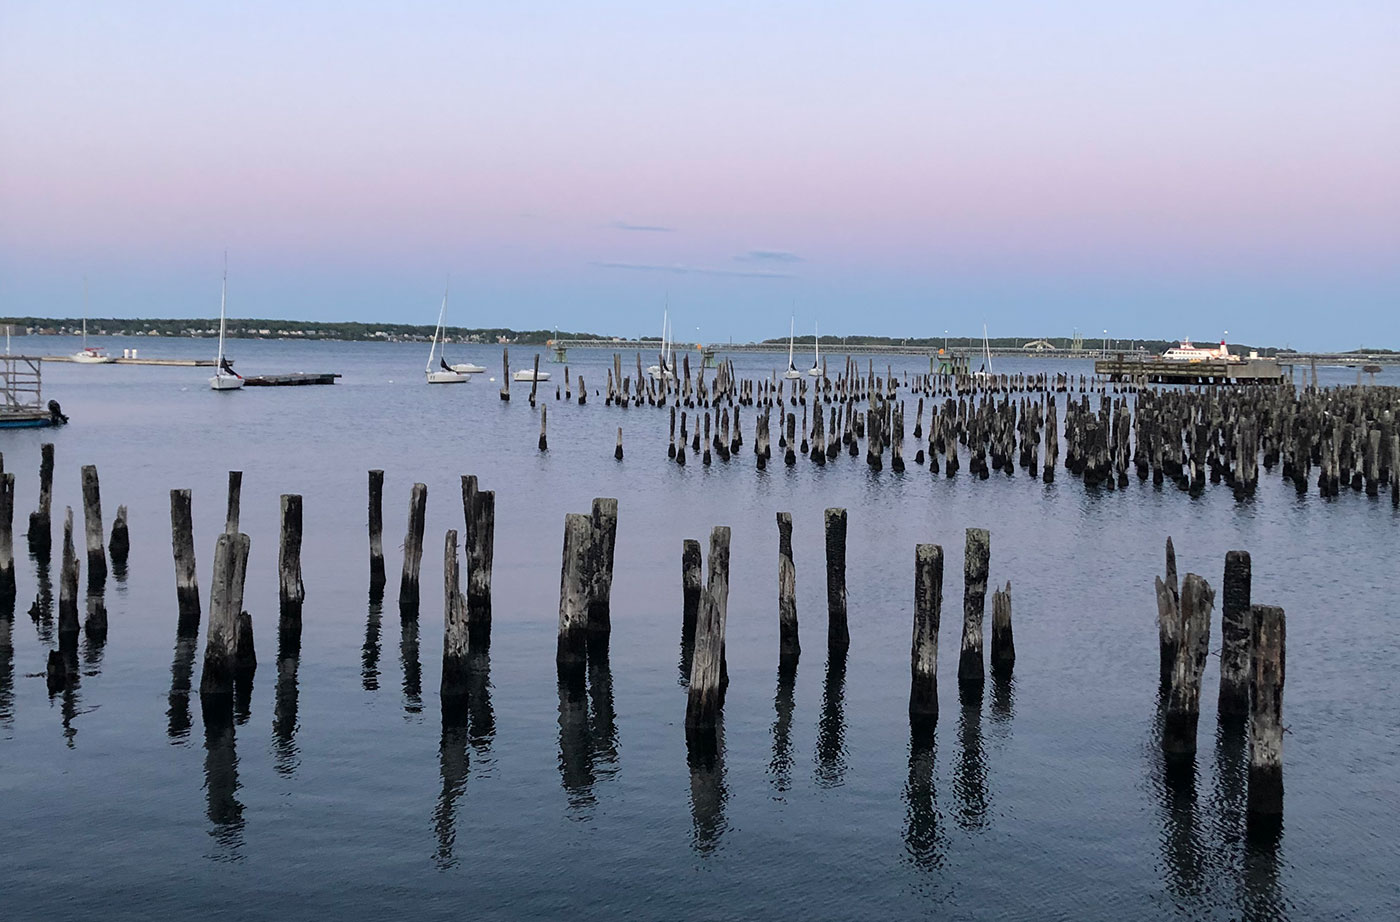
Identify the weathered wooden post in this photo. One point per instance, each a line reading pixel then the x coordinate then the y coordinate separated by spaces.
pixel 976 564
pixel 838 635
pixel 1267 647
pixel 291 592
pixel 235 496
pixel 8 589
pixel 92 528
pixel 120 544
pixel 602 545
pixel 376 532
pixel 505 374
pixel 455 634
pixel 1183 708
pixel 535 379
pixel 40 525
pixel 923 652
pixel 706 693
pixel 221 642
pixel 68 588
pixel 571 655
pixel 413 551
pixel 186 577
pixel 544 422
pixel 479 546
pixel 788 647
pixel 1235 629
pixel 691 585
pixel 1168 615
pixel 617 452
pixel 1003 644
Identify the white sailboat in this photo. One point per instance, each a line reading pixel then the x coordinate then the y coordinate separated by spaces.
pixel 444 373
pixel 792 371
pixel 225 378
pixel 663 370
pixel 985 372
pixel 816 369
pixel 90 355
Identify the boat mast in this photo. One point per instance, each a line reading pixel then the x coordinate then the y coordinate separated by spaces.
pixel 223 302
pixel 986 349
pixel 85 312
pixel 792 328
pixel 442 312
pixel 817 342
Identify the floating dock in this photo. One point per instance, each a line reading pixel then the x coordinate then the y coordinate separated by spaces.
pixel 174 363
pixel 1157 370
pixel 296 379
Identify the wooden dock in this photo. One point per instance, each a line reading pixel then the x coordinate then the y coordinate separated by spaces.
pixel 296 379
pixel 1157 370
pixel 173 363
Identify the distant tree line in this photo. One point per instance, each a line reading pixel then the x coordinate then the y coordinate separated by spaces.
pixel 260 328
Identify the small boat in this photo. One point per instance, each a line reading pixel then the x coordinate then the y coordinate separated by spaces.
pixel 528 374
pixel 467 368
pixel 663 370
pixel 985 372
pixel 444 373
pixel 90 355
pixel 816 369
pixel 225 378
pixel 792 371
pixel 1186 352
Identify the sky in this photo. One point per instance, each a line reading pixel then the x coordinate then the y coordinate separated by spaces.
pixel 890 168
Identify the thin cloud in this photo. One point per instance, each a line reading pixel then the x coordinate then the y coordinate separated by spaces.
pixel 771 256
pixel 679 269
pixel 652 228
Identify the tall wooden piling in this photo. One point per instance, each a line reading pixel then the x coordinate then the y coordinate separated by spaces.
pixel 1168 615
pixel 692 584
pixel 1267 648
pixel 221 641
pixel 291 592
pixel 68 587
pixel 1183 708
pixel 838 635
pixel 706 692
pixel 455 633
pixel 571 654
pixel 505 374
pixel 535 379
pixel 617 452
pixel 788 646
pixel 413 551
pixel 544 422
pixel 479 547
pixel 8 588
pixel 1003 654
pixel 976 565
pixel 1235 626
pixel 119 545
pixel 40 526
pixel 376 531
pixel 923 650
pixel 602 545
pixel 92 528
pixel 235 498
pixel 186 576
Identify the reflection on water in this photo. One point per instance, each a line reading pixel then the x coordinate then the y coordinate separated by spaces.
pixel 588 744
pixel 181 671
pixel 925 843
pixel 970 776
pixel 7 673
pixel 687 657
pixel 708 792
pixel 63 679
pixel 463 729
pixel 412 670
pixel 831 727
pixel 284 710
pixel 369 654
pixel 1003 697
pixel 93 646
pixel 41 612
pixel 780 767
pixel 225 811
pixel 481 715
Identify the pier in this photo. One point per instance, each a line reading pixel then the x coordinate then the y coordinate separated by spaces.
pixel 1161 371
pixel 171 363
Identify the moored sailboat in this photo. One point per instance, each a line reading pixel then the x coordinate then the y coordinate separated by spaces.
pixel 225 378
pixel 444 373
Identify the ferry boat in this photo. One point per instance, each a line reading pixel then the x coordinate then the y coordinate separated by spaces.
pixel 1186 352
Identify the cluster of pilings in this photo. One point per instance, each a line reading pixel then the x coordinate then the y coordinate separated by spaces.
pixel 1251 677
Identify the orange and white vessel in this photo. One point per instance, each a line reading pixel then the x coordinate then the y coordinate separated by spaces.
pixel 1186 352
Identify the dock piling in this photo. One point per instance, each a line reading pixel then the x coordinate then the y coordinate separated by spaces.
pixel 1235 627
pixel 706 692
pixel 788 646
pixel 92 529
pixel 186 576
pixel 413 551
pixel 838 635
pixel 923 652
pixel 1267 647
pixel 291 591
pixel 976 564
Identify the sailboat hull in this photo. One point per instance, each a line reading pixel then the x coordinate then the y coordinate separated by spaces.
pixel 528 374
pixel 448 377
pixel 225 383
pixel 467 368
pixel 88 358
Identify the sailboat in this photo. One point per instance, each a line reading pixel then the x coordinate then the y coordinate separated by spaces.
pixel 444 373
pixel 792 371
pixel 816 369
pixel 225 378
pixel 663 370
pixel 90 355
pixel 985 372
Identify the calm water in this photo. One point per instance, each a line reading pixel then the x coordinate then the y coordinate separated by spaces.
pixel 339 792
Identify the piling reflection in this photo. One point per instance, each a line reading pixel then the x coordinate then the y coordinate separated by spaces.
pixel 780 767
pixel 708 792
pixel 41 611
pixel 7 673
pixel 588 743
pixel 831 727
pixel 177 712
pixel 970 776
pixel 284 711
pixel 481 725
pixel 1003 705
pixel 224 809
pixel 465 727
pixel 93 647
pixel 412 670
pixel 687 657
pixel 369 653
pixel 925 842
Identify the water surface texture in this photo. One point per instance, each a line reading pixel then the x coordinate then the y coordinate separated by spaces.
pixel 339 792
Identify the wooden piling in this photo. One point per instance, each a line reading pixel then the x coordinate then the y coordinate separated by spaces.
pixel 617 452
pixel 505 375
pixel 235 494
pixel 119 546
pixel 544 421
pixel 376 531
pixel 68 587
pixel 535 379
pixel 1235 626
pixel 1267 648
pixel 1168 617
pixel 221 642
pixel 92 528
pixel 976 564
pixel 413 551
pixel 291 592
pixel 788 647
pixel 40 527
pixel 571 655
pixel 706 692
pixel 923 651
pixel 838 635
pixel 479 547
pixel 1183 708
pixel 8 588
pixel 602 546
pixel 186 576
pixel 455 633
pixel 1003 655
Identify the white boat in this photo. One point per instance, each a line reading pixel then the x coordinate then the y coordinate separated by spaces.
pixel 663 370
pixel 225 378
pixel 528 374
pixel 816 369
pixel 90 355
pixel 985 372
pixel 444 373
pixel 467 368
pixel 1186 352
pixel 792 371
